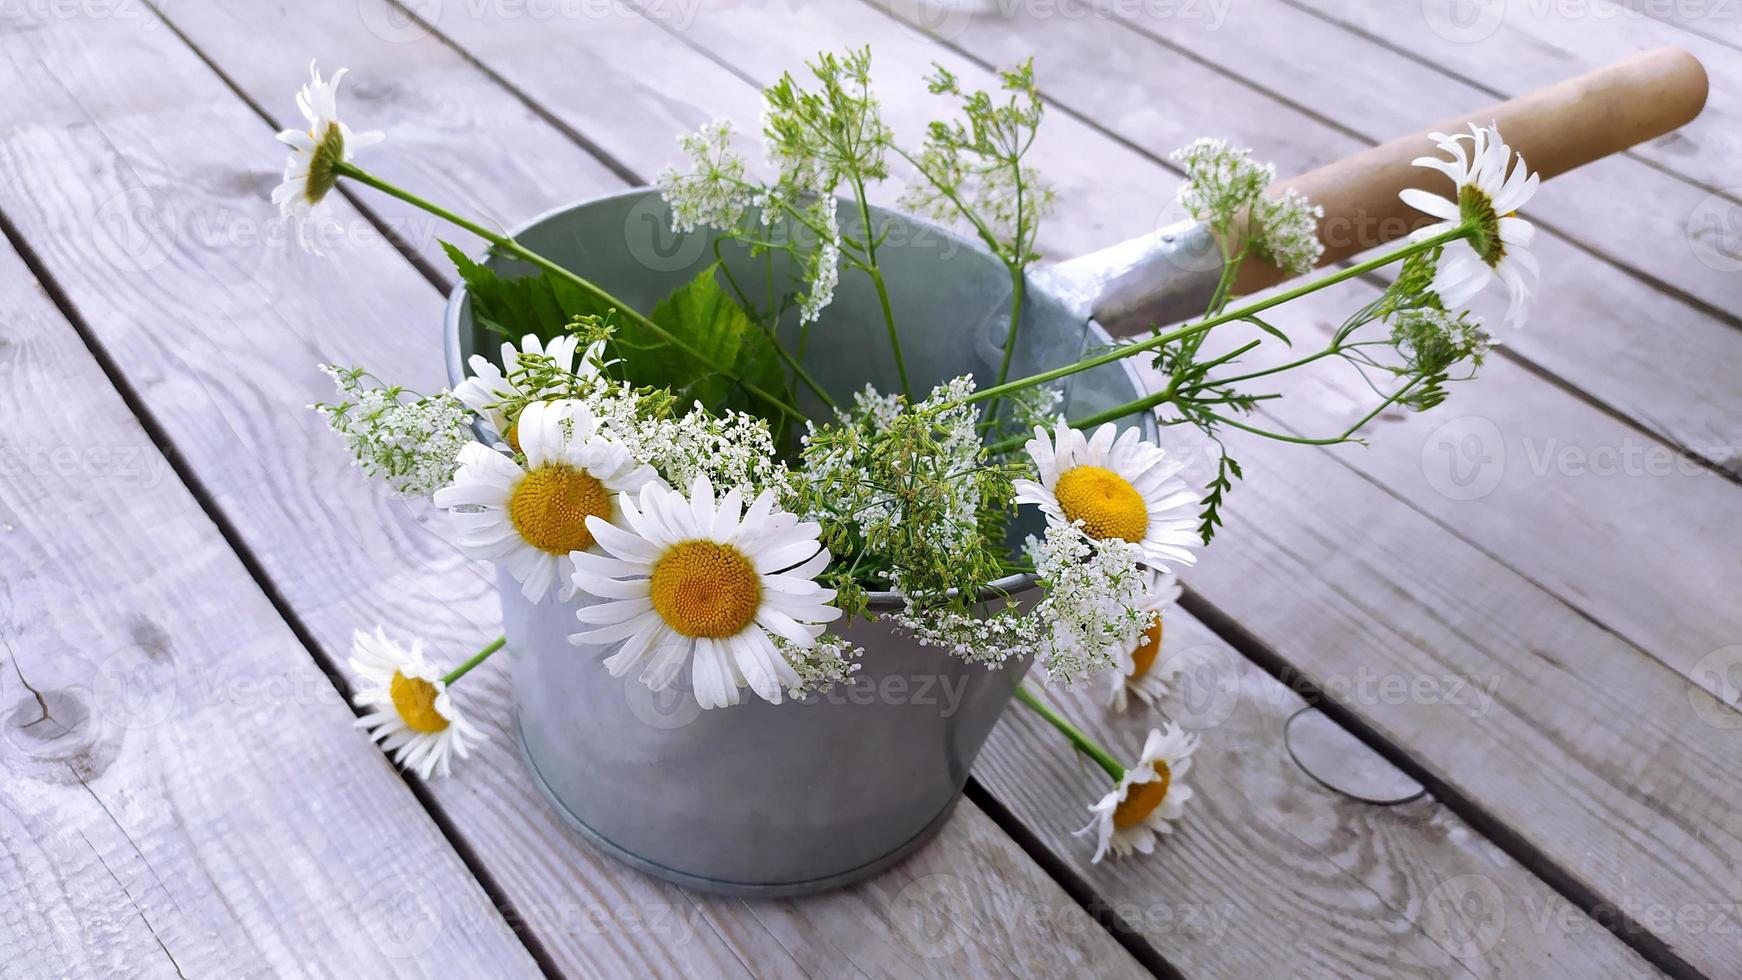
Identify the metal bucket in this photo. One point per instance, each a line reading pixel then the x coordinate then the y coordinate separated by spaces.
pixel 759 799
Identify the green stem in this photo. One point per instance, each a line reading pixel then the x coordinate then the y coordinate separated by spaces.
pixel 1113 414
pixel 1084 743
pixel 1333 440
pixel 520 251
pixel 477 658
pixel 882 288
pixel 1202 326
pixel 1018 287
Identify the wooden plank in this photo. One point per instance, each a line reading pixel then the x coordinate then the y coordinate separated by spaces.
pixel 253 318
pixel 182 791
pixel 1315 84
pixel 1516 45
pixel 1719 20
pixel 1550 468
pixel 733 33
pixel 1269 855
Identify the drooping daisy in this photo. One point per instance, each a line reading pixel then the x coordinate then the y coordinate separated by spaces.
pixel 1119 486
pixel 415 716
pixel 315 155
pixel 696 581
pixel 1490 190
pixel 531 518
pixel 1148 798
pixel 490 385
pixel 1141 670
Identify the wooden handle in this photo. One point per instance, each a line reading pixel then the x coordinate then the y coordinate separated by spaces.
pixel 1554 129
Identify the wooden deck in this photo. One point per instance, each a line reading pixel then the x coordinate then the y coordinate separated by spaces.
pixel 184 551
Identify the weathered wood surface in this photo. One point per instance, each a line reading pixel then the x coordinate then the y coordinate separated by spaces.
pixel 159 725
pixel 1557 467
pixel 340 555
pixel 731 34
pixel 1347 889
pixel 516 50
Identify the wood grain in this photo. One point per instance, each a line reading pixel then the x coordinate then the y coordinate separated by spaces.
pixel 731 32
pixel 161 728
pixel 767 54
pixel 253 318
pixel 1551 468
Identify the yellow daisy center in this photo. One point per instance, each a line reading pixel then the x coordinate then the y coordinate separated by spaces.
pixel 1143 657
pixel 1107 504
pixel 414 698
pixel 1143 798
pixel 512 436
pixel 704 589
pixel 550 507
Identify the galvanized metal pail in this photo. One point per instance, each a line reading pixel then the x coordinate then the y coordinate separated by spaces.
pixel 794 798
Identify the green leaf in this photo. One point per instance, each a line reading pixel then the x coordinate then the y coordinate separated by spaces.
pixel 705 316
pixel 541 304
pixel 699 313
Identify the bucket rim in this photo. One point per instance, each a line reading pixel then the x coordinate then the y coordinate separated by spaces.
pixel 1008 587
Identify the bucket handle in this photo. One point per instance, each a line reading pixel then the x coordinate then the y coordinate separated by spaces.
pixel 1167 276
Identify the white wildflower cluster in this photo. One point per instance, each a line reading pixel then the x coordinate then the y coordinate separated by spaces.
pixel 990 640
pixel 1221 181
pixel 1225 187
pixel 1430 339
pixel 412 441
pixel 1288 231
pixel 829 661
pixel 734 450
pixel 823 269
pixel 842 470
pixel 1094 605
pixel 714 192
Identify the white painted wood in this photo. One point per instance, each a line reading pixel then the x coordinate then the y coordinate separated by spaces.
pixel 732 33
pixel 1549 481
pixel 228 385
pixel 181 790
pixel 1268 859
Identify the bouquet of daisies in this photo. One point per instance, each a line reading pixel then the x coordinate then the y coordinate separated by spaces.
pixel 657 461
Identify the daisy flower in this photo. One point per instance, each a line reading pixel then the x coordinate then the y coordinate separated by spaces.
pixel 530 518
pixel 490 386
pixel 315 155
pixel 1140 671
pixel 707 583
pixel 1149 796
pixel 1490 190
pixel 414 714
pixel 1117 486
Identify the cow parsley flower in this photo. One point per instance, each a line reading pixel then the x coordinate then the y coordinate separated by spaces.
pixel 1094 603
pixel 1288 231
pixel 714 192
pixel 822 271
pixel 1222 182
pixel 412 441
